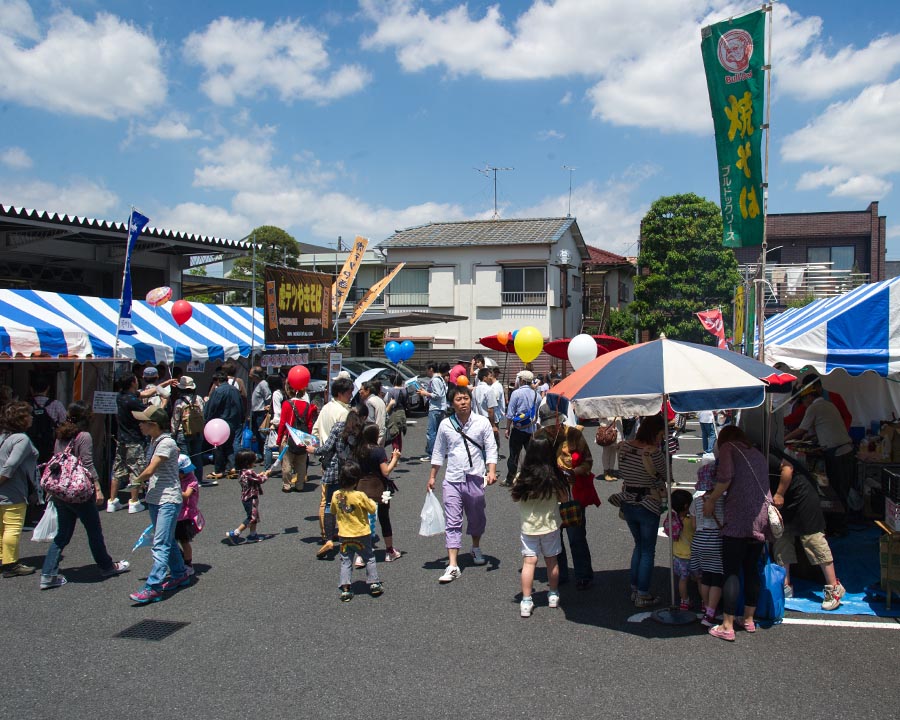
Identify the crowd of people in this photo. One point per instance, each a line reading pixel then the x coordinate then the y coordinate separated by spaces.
pixel 719 529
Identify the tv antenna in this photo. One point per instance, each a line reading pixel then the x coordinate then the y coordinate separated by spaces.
pixel 491 169
pixel 571 170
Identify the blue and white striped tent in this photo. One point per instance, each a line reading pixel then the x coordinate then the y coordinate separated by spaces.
pixel 852 340
pixel 36 323
pixel 858 331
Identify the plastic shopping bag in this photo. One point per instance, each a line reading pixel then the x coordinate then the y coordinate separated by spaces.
pixel 770 606
pixel 146 538
pixel 432 516
pixel 45 530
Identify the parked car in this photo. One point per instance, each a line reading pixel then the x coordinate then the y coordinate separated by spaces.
pixel 355 366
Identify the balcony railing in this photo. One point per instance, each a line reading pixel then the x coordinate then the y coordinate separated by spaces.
pixel 808 280
pixel 407 299
pixel 524 298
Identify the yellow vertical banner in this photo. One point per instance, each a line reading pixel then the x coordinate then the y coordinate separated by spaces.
pixel 344 281
pixel 372 293
pixel 739 315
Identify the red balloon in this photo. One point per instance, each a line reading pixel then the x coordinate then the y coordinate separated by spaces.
pixel 182 311
pixel 298 377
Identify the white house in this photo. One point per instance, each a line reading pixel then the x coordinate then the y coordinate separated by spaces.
pixel 500 274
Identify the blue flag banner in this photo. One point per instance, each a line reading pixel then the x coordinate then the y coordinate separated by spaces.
pixel 136 223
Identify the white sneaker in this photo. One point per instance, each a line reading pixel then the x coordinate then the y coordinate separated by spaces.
pixel 553 600
pixel 450 574
pixel 526 607
pixel 113 505
pixel 478 557
pixel 136 507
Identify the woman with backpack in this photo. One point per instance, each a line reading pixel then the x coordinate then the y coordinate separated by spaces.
pixel 187 425
pixel 73 439
pixel 296 412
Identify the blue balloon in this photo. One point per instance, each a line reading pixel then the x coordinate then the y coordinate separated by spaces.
pixel 392 351
pixel 514 333
pixel 407 349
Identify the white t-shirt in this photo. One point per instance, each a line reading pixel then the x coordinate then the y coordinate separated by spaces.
pixel 483 399
pixel 164 486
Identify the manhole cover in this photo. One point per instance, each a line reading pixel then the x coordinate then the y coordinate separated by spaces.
pixel 151 629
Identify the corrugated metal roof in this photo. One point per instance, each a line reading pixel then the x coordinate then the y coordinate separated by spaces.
pixel 539 231
pixel 11 211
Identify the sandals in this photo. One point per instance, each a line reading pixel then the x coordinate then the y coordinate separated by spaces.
pixel 748 624
pixel 215 476
pixel 286 487
pixel 645 601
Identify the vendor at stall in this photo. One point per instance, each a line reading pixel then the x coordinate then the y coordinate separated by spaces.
pixel 823 420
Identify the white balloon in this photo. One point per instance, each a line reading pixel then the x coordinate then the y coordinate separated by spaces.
pixel 582 349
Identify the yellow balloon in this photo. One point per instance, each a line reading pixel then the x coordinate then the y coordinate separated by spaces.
pixel 528 343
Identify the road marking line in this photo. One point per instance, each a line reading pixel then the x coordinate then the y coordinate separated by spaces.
pixel 843 623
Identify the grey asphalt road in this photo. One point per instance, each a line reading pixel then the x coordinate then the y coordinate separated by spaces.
pixel 266 637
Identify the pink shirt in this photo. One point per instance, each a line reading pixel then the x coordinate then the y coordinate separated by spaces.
pixel 190 507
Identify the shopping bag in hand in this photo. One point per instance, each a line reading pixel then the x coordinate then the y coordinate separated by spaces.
pixel 432 516
pixel 46 529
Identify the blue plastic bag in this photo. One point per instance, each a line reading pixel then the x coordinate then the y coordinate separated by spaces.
pixel 248 441
pixel 770 606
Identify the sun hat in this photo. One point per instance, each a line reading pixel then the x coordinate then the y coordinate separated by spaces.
pixel 186 382
pixel 154 415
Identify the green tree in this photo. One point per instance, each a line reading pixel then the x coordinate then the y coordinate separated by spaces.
pixel 621 324
pixel 684 268
pixel 274 247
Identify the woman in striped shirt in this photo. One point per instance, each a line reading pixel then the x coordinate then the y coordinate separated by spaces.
pixel 642 467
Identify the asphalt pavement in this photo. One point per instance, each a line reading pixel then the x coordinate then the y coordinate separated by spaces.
pixel 265 635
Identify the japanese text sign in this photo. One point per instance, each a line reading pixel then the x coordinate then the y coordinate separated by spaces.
pixel 298 307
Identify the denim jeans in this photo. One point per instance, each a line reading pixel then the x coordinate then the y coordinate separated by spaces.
pixel 581 554
pixel 434 419
pixel 67 515
pixel 363 547
pixel 708 433
pixel 167 557
pixel 192 446
pixel 644 526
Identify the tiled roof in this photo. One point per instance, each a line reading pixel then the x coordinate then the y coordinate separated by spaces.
pixel 604 257
pixel 540 231
pixel 10 211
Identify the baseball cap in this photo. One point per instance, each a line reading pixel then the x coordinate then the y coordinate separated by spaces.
pixel 525 376
pixel 151 372
pixel 154 415
pixel 184 464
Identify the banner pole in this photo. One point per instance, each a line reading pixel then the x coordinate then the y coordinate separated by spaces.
pixel 761 315
pixel 122 293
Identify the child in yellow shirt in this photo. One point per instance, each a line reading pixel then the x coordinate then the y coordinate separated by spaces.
pixel 351 509
pixel 680 525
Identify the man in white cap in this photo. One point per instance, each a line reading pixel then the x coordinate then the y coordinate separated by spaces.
pixel 521 420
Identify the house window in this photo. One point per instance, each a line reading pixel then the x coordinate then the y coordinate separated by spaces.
pixel 409 288
pixel 525 286
pixel 840 257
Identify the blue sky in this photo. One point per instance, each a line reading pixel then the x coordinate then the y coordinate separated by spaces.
pixel 361 117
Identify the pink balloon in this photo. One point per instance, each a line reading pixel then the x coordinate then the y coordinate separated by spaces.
pixel 216 432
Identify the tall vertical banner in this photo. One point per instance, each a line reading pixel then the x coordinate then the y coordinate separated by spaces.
pixel 298 307
pixel 344 281
pixel 372 293
pixel 136 224
pixel 712 321
pixel 739 313
pixel 733 57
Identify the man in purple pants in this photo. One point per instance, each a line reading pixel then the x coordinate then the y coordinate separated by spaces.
pixel 466 439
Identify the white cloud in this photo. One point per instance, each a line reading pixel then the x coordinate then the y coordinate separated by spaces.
pixel 17 20
pixel 566 99
pixel 607 215
pixel 200 219
pixel 81 196
pixel 643 57
pixel 174 127
pixel 853 167
pixel 15 158
pixel 106 69
pixel 242 58
pixel 551 135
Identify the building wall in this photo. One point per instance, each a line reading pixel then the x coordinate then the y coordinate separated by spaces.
pixel 468 281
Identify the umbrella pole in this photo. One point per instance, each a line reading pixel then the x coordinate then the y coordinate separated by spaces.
pixel 672 615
